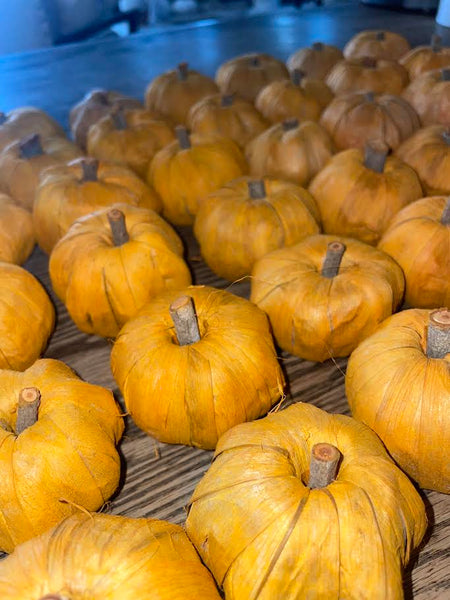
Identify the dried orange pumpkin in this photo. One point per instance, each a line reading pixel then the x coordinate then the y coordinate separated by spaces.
pixel 189 383
pixel 272 518
pixel 80 187
pixel 127 558
pixel 315 61
pixel 16 232
pixel 359 192
pixel 378 44
pixel 247 218
pixel 426 58
pixel 102 251
pixel 186 171
pixel 290 150
pixel 57 448
pixel 418 238
pixel 26 121
pixel 326 294
pixel 398 383
pixel 429 94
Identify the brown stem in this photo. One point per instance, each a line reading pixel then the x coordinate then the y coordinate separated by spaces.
pixel 332 261
pixel 446 136
pixel 31 146
pixel 323 466
pixel 255 61
pixel 27 409
pixel 445 75
pixel 436 42
pixel 183 71
pixel 118 117
pixel 3 118
pixel 183 315
pixel 289 124
pixel 369 62
pixel 445 219
pixel 118 226
pixel 318 46
pixel 438 333
pixel 89 166
pixel 183 137
pixel 101 97
pixel 227 100
pixel 380 36
pixel 256 189
pixel 375 155
pixel 369 97
pixel 297 76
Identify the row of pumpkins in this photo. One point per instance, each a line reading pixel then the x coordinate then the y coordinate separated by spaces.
pixel 289 497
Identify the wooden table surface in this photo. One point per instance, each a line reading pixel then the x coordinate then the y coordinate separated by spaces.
pixel 158 479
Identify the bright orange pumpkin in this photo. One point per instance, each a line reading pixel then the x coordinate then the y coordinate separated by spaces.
pixel 429 94
pixel 426 58
pixel 16 232
pixel 366 74
pixel 377 44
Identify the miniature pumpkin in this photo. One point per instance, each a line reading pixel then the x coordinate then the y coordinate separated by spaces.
pixel 57 448
pixel 172 94
pixel 189 384
pixel 105 556
pixel 418 238
pixel 290 150
pixel 226 116
pixel 315 61
pixel 378 44
pixel 355 119
pixel 246 75
pixel 398 383
pixel 305 504
pixel 359 192
pixel 101 251
pixel 380 76
pixel 426 58
pixel 186 171
pixel 26 121
pixel 83 186
pixel 27 318
pixel 16 232
pixel 427 151
pixel 129 138
pixel 429 94
pixel 247 218
pixel 326 294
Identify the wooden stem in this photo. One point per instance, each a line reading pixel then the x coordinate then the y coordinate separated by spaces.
pixel 446 136
pixel 445 219
pixel 118 117
pixel 27 409
pixel 31 146
pixel 323 466
pixel 118 226
pixel 89 166
pixel 436 42
pixel 445 75
pixel 297 76
pixel 332 261
pixel 183 71
pixel 318 46
pixel 369 97
pixel 369 62
pixel 438 333
pixel 289 124
pixel 375 155
pixel 227 100
pixel 380 35
pixel 101 97
pixel 3 118
pixel 255 61
pixel 183 137
pixel 256 189
pixel 183 315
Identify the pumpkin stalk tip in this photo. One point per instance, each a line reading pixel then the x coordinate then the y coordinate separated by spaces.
pixel 184 318
pixel 31 146
pixel 436 42
pixel 289 124
pixel 380 36
pixel 323 466
pixel 183 137
pixel 28 408
pixel 255 61
pixel 183 71
pixel 438 333
pixel 375 155
pixel 333 258
pixel 3 118
pixel 119 119
pixel 318 46
pixel 118 227
pixel 257 189
pixel 445 74
pixel 369 62
pixel 89 166
pixel 226 100
pixel 445 219
pixel 297 76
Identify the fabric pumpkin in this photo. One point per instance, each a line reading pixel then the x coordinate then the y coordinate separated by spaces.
pixel 247 218
pixel 380 76
pixel 56 451
pixel 401 390
pixel 426 58
pixel 377 44
pixel 190 393
pixel 101 251
pixel 429 94
pixel 26 121
pixel 68 192
pixel 418 238
pixel 16 232
pixel 315 61
pixel 323 299
pixel 266 532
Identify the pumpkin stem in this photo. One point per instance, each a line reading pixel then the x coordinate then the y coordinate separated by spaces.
pixel 369 62
pixel 318 46
pixel 323 466
pixel 289 124
pixel 369 96
pixel 375 154
pixel 436 42
pixel 438 333
pixel 28 407
pixel 183 137
pixel 446 136
pixel 380 36
pixel 101 97
pixel 118 117
pixel 3 118
pixel 256 189
pixel 183 71
pixel 445 219
pixel 297 76
pixel 445 74
pixel 31 146
pixel 183 315
pixel 89 167
pixel 255 61
pixel 332 261
pixel 118 226
pixel 227 100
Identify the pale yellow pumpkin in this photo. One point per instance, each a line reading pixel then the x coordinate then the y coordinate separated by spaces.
pixel 16 232
pixel 315 61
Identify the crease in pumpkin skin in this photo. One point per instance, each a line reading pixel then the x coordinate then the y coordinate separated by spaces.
pixel 327 492
pixel 108 299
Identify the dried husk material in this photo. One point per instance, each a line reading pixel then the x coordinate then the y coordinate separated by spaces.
pixel 380 76
pixel 316 61
pixel 16 231
pixel 317 317
pixel 132 146
pixel 191 394
pixel 403 395
pixel 419 240
pixel 184 177
pixel 426 58
pixel 246 75
pixel 65 194
pixel 354 119
pixel 235 229
pixel 106 556
pixel 88 269
pixel 428 152
pixel 264 534
pixel 66 458
pixel 429 94
pixel 356 201
pixel 377 44
pixel 237 118
pixel 294 152
pixel 25 121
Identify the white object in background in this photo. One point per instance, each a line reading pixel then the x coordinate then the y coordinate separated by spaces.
pixel 443 14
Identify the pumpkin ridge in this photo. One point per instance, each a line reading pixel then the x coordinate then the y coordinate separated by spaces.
pixel 333 502
pixel 130 289
pixel 419 252
pixel 108 299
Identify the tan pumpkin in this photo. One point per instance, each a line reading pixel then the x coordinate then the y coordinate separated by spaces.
pixel 217 368
pixel 315 61
pixel 226 116
pixel 57 448
pixel 427 58
pixel 418 238
pixel 357 118
pixel 101 251
pixel 186 171
pixel 16 232
pixel 366 74
pixel 429 94
pixel 25 121
pixel 247 218
pixel 326 294
pixel 398 383
pixel 378 44
pixel 246 75
pixel 304 504
pixel 80 187
pixel 290 150
pixel 359 192
pixel 173 94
